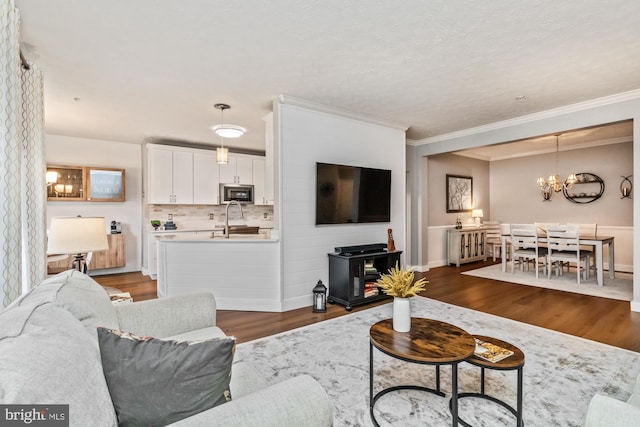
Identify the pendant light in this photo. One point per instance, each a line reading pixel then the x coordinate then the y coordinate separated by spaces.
pixel 554 182
pixel 222 154
pixel 227 131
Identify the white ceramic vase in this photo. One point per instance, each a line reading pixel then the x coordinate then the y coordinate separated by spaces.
pixel 401 314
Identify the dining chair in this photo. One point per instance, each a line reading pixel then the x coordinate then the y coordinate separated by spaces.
pixel 563 244
pixel 524 247
pixel 542 226
pixel 494 239
pixel 588 230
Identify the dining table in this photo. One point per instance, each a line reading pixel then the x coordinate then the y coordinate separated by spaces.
pixel 597 242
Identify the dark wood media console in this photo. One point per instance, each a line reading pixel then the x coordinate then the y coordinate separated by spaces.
pixel 351 274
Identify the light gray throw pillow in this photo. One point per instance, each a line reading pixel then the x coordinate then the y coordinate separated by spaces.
pixel 155 382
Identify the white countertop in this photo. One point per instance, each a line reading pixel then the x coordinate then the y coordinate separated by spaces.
pixel 218 228
pixel 206 236
pixel 161 231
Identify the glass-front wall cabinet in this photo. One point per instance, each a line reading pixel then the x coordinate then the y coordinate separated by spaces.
pixel 66 183
pixel 82 183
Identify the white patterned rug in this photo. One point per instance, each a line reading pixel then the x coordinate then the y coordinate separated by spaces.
pixel 561 372
pixel 620 288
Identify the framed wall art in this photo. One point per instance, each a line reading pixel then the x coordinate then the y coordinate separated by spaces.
pixel 105 185
pixel 459 193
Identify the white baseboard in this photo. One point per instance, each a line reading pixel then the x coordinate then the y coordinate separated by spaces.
pixel 248 305
pixel 297 302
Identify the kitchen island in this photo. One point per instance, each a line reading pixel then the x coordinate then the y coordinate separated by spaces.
pixel 242 271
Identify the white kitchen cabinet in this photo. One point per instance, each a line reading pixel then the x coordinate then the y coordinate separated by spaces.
pixel 258 182
pixel 238 170
pixel 169 176
pixel 205 178
pixel 269 161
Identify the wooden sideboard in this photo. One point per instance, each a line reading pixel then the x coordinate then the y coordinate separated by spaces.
pixel 466 245
pixel 112 258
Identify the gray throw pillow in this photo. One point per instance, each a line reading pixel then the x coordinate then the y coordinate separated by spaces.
pixel 154 382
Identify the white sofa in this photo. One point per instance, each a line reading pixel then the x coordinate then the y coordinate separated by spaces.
pixel 605 411
pixel 49 354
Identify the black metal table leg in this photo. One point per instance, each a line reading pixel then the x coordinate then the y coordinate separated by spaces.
pixel 514 362
pixel 519 402
pixel 454 394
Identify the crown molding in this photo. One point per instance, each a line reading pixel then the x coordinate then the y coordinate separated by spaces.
pixel 321 108
pixel 554 112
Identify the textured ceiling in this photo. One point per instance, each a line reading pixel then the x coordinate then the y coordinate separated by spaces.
pixel 154 68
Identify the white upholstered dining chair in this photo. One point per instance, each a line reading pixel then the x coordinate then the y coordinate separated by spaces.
pixel 524 247
pixel 563 244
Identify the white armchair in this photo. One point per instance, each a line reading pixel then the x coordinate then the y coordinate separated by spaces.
pixel 605 411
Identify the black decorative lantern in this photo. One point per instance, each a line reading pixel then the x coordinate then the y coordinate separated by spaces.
pixel 320 298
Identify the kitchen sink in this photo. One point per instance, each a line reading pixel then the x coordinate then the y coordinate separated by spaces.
pixel 243 229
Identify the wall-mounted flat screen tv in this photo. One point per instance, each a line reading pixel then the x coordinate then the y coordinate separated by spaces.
pixel 352 194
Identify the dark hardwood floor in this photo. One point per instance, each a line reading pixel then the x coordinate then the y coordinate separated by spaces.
pixel 599 319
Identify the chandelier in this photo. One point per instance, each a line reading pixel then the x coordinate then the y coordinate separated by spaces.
pixel 554 182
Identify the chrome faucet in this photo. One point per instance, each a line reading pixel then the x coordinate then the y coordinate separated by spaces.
pixel 226 223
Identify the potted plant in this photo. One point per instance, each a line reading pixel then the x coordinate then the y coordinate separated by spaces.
pixel 155 223
pixel 399 283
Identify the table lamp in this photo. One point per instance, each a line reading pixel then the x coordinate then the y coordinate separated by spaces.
pixel 77 236
pixel 477 214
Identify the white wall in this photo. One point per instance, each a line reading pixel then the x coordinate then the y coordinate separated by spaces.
pixel 71 151
pixel 516 197
pixel 305 137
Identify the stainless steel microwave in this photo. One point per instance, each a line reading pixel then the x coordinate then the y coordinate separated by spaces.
pixel 239 192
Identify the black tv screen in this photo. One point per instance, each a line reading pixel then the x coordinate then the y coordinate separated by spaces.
pixel 352 194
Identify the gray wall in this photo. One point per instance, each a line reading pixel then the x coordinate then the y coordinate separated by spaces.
pixel 516 198
pixel 442 164
pixel 624 106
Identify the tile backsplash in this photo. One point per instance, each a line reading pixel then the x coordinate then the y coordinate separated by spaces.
pixel 197 217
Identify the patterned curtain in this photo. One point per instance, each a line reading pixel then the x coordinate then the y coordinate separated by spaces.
pixel 34 197
pixel 22 202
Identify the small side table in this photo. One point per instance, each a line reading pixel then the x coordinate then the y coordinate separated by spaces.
pixel 428 342
pixel 513 362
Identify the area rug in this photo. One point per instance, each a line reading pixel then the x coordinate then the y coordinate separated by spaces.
pixel 561 372
pixel 620 288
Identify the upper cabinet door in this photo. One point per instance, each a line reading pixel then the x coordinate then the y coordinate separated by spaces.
pixel 258 182
pixel 66 183
pixel 244 170
pixel 205 179
pixel 239 170
pixel 159 176
pixel 228 171
pixel 183 177
pixel 169 177
pixel 105 184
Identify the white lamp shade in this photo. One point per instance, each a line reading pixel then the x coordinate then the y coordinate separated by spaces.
pixel 75 235
pixel 229 131
pixel 52 177
pixel 477 213
pixel 222 155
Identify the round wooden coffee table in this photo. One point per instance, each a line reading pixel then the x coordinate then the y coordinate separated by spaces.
pixel 513 362
pixel 428 342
